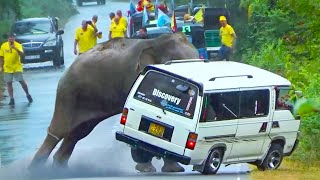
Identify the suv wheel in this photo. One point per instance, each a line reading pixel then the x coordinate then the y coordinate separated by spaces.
pixel 59 60
pixel 273 159
pixel 213 161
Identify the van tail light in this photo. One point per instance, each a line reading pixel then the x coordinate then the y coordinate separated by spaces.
pixel 123 119
pixel 192 140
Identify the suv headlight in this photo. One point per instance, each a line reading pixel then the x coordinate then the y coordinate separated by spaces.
pixel 51 42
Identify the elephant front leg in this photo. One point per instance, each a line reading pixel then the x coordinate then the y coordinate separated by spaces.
pixel 171 166
pixel 62 156
pixel 43 153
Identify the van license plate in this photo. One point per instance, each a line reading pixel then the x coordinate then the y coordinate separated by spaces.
pixel 156 130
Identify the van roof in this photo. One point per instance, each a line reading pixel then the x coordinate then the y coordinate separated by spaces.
pixel 223 74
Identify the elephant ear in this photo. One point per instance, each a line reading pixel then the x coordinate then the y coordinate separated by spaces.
pixel 146 57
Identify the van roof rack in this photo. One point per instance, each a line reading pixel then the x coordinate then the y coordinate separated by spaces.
pixel 185 61
pixel 214 78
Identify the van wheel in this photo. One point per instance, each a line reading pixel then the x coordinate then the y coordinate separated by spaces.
pixel 140 155
pixel 213 162
pixel 273 159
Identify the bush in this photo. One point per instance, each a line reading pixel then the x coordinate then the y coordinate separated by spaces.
pixel 285 39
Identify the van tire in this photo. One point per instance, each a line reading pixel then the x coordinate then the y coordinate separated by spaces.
pixel 273 159
pixel 140 155
pixel 213 161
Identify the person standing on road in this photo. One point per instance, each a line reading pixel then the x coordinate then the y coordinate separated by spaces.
pixel 85 37
pixel 228 39
pixel 11 53
pixel 117 30
pixel 94 24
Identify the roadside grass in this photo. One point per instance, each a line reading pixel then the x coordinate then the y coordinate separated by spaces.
pixel 289 170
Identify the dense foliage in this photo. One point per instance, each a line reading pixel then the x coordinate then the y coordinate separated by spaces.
pixel 283 37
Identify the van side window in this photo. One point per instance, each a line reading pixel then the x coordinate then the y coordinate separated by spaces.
pixel 283 99
pixel 254 103
pixel 220 106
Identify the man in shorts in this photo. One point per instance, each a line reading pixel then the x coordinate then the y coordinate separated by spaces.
pixel 10 63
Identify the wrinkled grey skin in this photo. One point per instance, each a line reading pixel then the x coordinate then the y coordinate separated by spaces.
pixel 96 85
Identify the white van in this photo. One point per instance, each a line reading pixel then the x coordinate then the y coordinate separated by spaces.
pixel 207 113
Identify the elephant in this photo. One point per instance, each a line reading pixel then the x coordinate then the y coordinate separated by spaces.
pixel 96 85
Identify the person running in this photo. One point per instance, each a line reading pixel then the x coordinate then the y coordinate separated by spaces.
pixel 117 30
pixel 228 39
pixel 85 37
pixel 94 24
pixel 11 53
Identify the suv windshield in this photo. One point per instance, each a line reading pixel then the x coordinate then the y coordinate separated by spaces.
pixel 29 28
pixel 168 93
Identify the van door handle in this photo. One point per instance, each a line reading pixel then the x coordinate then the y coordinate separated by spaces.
pixel 131 109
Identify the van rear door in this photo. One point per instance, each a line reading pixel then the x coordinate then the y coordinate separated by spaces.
pixel 162 110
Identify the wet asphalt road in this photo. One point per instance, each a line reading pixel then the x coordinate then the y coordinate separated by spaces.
pixel 23 127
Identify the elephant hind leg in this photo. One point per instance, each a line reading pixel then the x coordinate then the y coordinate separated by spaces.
pixel 63 154
pixel 43 153
pixel 61 157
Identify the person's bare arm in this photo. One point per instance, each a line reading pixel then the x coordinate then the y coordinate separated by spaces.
pixel 75 47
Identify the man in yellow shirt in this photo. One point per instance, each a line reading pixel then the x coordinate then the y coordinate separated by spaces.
pixel 85 37
pixel 10 63
pixel 117 30
pixel 228 39
pixel 122 20
pixel 94 23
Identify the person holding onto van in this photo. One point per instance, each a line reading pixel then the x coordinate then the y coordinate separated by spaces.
pixel 117 30
pixel 228 39
pixel 10 63
pixel 85 37
pixel 94 24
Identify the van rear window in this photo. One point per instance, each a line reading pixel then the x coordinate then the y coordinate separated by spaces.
pixel 168 93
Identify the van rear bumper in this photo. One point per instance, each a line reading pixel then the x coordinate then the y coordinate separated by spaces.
pixel 120 136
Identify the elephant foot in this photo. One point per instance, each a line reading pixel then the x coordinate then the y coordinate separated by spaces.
pixel 145 167
pixel 171 166
pixel 60 164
